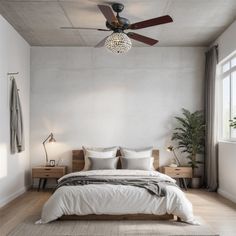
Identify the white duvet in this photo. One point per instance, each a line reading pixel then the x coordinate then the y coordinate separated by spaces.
pixel 116 199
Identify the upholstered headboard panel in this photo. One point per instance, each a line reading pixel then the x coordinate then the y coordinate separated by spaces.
pixel 78 159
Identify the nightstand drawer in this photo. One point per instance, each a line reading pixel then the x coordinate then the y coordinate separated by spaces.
pixel 43 173
pixel 46 175
pixel 178 172
pixel 180 175
pixel 48 169
pixel 48 172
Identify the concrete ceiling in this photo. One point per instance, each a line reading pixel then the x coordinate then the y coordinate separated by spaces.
pixel 196 22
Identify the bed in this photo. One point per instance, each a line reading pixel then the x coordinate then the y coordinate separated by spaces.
pixel 115 202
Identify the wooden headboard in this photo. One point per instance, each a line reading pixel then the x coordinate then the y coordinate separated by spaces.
pixel 78 159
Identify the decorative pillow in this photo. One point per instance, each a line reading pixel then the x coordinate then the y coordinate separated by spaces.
pixel 100 149
pixel 103 163
pixel 97 152
pixel 138 153
pixel 139 163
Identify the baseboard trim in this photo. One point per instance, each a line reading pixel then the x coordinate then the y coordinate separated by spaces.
pixel 227 195
pixel 14 195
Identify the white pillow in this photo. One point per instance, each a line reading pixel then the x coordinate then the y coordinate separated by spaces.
pixel 144 163
pixel 138 153
pixel 100 149
pixel 103 163
pixel 97 152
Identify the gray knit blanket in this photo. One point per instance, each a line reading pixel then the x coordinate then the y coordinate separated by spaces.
pixel 151 184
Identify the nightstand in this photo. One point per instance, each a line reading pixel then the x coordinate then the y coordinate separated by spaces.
pixel 45 173
pixel 181 173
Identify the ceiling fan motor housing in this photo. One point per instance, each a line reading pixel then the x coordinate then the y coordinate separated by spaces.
pixel 123 22
pixel 117 7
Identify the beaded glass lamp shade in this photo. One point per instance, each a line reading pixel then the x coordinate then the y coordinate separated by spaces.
pixel 118 43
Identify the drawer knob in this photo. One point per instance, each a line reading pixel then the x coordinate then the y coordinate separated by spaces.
pixel 46 175
pixel 47 169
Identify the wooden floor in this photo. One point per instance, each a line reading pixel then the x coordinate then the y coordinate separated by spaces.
pixel 216 211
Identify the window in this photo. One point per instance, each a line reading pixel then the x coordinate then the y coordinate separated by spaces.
pixel 228 92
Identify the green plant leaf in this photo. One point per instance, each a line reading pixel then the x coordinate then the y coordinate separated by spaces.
pixel 190 135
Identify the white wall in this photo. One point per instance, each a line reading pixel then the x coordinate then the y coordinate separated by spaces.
pixel 88 96
pixel 227 151
pixel 14 56
pixel 227 41
pixel 227 174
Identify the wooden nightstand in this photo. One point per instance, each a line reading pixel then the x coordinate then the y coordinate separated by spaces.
pixel 180 173
pixel 45 173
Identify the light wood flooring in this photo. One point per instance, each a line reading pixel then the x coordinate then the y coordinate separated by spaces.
pixel 216 211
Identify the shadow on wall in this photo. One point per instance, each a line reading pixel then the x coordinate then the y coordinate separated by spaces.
pixel 66 159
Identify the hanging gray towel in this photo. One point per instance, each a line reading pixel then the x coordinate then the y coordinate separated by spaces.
pixel 16 121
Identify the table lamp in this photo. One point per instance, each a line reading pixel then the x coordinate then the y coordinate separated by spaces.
pixel 49 139
pixel 172 149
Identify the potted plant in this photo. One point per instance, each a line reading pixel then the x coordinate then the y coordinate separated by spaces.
pixel 190 137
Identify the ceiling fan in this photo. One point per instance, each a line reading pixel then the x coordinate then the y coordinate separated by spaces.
pixel 119 41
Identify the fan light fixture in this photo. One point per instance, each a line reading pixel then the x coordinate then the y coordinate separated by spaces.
pixel 118 43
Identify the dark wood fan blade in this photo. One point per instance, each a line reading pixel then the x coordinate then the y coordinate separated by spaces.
pixel 151 22
pixel 142 38
pixel 101 43
pixel 84 28
pixel 108 13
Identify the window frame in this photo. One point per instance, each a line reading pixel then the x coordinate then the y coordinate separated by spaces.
pixel 222 76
